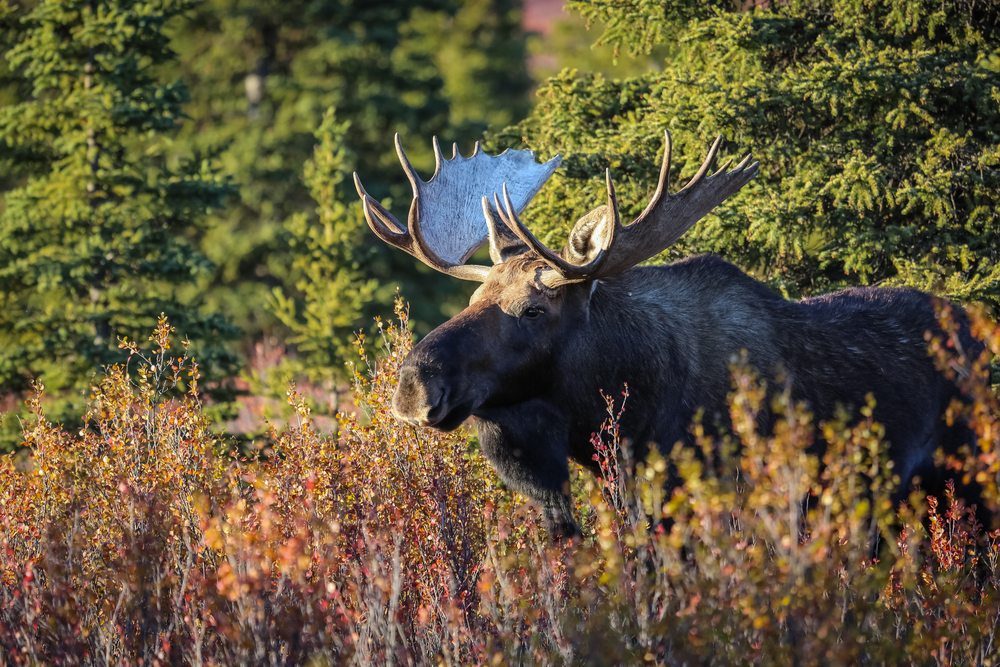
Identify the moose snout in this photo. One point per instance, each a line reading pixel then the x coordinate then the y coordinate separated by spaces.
pixel 420 397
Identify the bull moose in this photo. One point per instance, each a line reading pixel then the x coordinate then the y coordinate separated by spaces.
pixel 545 331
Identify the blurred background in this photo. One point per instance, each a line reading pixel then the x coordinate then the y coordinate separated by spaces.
pixel 194 159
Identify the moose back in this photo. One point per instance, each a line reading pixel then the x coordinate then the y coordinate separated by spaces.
pixel 546 330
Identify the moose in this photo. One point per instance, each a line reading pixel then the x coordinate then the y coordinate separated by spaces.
pixel 546 331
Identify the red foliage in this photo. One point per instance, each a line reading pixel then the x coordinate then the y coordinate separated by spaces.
pixel 143 539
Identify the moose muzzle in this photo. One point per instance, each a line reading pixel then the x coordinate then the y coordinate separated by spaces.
pixel 420 398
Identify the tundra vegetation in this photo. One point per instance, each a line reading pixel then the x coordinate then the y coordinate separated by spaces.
pixel 142 537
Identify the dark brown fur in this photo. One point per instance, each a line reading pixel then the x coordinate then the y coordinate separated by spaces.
pixel 527 363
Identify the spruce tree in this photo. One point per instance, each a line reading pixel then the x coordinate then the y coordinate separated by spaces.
pixel 876 122
pixel 329 252
pixel 102 231
pixel 263 73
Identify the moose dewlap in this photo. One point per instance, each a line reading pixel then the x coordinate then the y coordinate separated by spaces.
pixel 547 331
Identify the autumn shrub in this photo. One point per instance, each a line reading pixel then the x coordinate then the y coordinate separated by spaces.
pixel 143 538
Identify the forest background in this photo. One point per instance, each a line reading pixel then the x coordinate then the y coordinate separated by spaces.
pixel 194 159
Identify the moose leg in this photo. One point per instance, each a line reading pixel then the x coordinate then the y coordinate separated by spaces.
pixel 527 445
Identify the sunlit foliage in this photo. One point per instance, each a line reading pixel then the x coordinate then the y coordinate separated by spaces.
pixel 876 124
pixel 140 537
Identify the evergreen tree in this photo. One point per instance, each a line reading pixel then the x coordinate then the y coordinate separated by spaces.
pixel 263 73
pixel 328 253
pixel 876 123
pixel 102 231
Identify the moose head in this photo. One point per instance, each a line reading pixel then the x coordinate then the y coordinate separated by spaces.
pixel 500 350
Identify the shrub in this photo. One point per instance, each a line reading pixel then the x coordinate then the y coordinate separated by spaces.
pixel 143 537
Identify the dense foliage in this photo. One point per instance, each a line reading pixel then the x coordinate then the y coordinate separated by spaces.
pixel 139 539
pixel 101 232
pixel 127 193
pixel 875 121
pixel 263 74
pixel 329 261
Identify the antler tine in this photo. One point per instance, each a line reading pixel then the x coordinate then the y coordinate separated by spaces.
pixel 491 224
pixel 703 169
pixel 381 221
pixel 438 157
pixel 615 224
pixel 743 163
pixel 668 216
pixel 612 199
pixel 501 240
pixel 570 272
pixel 411 173
pixel 663 182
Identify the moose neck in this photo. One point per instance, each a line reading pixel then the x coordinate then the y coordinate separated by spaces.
pixel 632 334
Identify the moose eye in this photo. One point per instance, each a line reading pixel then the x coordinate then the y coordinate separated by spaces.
pixel 531 312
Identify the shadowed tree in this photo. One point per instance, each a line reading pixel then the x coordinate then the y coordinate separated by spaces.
pixel 263 73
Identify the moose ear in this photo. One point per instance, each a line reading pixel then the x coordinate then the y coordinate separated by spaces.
pixel 588 236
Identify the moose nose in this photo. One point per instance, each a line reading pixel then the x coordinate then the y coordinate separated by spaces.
pixel 419 399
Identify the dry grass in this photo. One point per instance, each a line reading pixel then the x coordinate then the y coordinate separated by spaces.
pixel 142 540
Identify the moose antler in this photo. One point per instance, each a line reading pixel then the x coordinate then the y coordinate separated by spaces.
pixel 568 270
pixel 446 221
pixel 665 219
